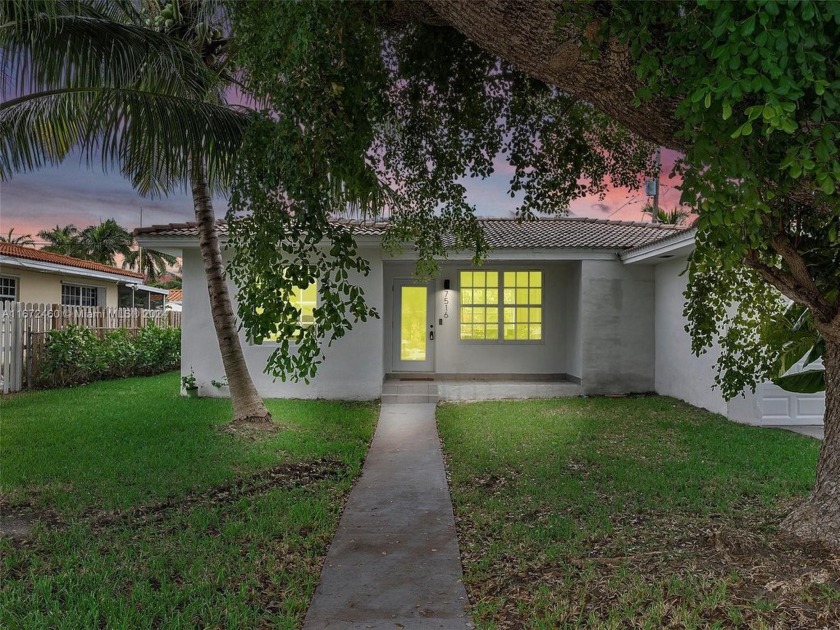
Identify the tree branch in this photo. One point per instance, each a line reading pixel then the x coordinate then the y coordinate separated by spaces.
pixel 787 283
pixel 796 264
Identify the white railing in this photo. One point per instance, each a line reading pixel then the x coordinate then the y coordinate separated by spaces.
pixel 24 327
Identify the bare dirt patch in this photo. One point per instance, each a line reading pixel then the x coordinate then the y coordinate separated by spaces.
pixel 255 430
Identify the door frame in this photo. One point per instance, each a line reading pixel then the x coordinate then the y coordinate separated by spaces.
pixel 397 364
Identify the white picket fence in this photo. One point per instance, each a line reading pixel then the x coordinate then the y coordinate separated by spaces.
pixel 24 327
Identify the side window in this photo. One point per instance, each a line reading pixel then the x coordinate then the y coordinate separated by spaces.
pixel 305 300
pixel 8 289
pixel 79 295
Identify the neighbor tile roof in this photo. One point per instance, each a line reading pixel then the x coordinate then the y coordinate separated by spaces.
pixel 557 232
pixel 175 295
pixel 30 253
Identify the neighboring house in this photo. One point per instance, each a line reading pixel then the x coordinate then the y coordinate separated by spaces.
pixel 592 302
pixel 174 300
pixel 33 275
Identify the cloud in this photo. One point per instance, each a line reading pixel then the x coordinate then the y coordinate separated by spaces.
pixel 71 193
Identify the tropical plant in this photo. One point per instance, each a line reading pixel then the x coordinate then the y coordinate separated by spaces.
pixel 63 240
pixel 797 339
pixel 676 216
pixel 150 263
pixel 137 87
pixel 24 239
pixel 104 241
pixel 172 282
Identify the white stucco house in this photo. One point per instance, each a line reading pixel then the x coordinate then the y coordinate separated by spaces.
pixel 596 304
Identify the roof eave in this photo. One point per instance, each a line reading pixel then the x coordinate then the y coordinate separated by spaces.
pixel 67 270
pixel 661 250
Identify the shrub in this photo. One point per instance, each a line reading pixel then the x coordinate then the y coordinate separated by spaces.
pixel 76 355
pixel 156 348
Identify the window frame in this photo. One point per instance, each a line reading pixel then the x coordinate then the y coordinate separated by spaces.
pixel 294 339
pixel 101 296
pixel 501 306
pixel 16 296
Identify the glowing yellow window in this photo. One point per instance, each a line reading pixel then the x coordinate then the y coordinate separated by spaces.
pixel 522 311
pixel 479 305
pixel 514 297
pixel 413 319
pixel 305 301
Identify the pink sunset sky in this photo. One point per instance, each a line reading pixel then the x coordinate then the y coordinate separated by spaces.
pixel 73 193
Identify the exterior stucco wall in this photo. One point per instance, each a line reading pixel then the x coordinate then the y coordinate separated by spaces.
pixel 616 324
pixel 45 288
pixel 453 356
pixel 682 375
pixel 352 369
pixel 574 348
pixel 678 372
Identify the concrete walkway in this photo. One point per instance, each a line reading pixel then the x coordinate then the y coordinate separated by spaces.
pixel 394 561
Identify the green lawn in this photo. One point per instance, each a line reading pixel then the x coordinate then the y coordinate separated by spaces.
pixel 637 512
pixel 153 517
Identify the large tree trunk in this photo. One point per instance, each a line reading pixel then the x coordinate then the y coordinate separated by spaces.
pixel 524 32
pixel 818 517
pixel 247 404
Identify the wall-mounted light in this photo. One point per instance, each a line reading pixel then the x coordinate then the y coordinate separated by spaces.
pixel 445 300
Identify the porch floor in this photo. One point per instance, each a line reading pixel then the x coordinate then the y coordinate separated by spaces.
pixel 429 388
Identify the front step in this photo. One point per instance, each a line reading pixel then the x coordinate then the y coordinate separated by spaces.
pixel 402 392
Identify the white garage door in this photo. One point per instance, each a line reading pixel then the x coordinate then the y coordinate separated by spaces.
pixel 777 406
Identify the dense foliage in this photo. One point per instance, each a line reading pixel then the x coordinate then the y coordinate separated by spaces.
pixel 758 90
pixel 76 354
pixel 363 119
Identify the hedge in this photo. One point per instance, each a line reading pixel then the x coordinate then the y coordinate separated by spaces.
pixel 76 355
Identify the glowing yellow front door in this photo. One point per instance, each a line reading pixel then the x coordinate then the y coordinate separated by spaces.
pixel 413 330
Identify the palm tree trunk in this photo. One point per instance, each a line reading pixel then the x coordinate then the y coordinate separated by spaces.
pixel 818 517
pixel 247 404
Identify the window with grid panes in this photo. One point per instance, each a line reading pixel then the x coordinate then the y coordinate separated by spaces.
pixel 522 310
pixel 501 306
pixel 77 295
pixel 480 305
pixel 8 289
pixel 305 300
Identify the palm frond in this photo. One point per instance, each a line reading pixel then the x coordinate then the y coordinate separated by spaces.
pixel 151 137
pixel 48 45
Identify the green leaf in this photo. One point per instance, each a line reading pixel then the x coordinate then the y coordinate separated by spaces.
pixel 748 27
pixel 727 110
pixel 807 382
